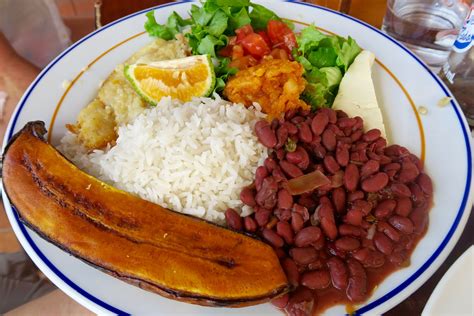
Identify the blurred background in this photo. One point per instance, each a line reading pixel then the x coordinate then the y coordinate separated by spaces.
pixel 33 32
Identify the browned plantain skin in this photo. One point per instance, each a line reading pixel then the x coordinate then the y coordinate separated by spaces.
pixel 174 255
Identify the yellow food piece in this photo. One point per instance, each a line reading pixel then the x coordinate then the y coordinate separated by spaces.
pixel 174 255
pixel 118 97
pixel 180 79
pixel 95 126
pixel 275 84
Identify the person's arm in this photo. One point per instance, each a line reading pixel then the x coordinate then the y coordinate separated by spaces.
pixel 16 74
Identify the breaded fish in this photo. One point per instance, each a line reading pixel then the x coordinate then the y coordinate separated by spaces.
pixel 117 103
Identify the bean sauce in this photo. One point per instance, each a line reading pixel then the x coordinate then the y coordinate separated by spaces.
pixel 338 241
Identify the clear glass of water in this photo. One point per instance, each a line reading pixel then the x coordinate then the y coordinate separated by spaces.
pixel 427 27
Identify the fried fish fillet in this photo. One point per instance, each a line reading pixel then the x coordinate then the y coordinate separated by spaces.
pixel 117 103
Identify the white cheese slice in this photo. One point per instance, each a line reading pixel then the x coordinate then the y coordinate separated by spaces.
pixel 356 95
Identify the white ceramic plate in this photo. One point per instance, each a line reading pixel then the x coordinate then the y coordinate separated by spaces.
pixel 453 295
pixel 402 83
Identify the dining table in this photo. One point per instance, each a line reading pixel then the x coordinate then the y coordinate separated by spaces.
pixel 372 12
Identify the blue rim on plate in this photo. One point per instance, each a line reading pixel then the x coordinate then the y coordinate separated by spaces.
pixel 363 309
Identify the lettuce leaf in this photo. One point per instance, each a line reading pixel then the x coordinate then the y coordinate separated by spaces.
pixel 325 59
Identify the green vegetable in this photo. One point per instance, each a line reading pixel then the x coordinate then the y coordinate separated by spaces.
pixel 210 27
pixel 325 59
pixel 260 17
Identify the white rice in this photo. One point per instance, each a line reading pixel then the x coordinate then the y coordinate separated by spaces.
pixel 192 158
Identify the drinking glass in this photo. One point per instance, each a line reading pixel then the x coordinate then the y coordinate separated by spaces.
pixel 427 27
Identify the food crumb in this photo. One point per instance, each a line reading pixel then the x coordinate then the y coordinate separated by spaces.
pixel 444 101
pixel 66 84
pixel 88 187
pixel 165 235
pixel 422 110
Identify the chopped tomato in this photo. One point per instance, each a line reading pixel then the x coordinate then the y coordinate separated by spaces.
pixel 280 34
pixel 237 52
pixel 243 31
pixel 265 37
pixel 279 53
pixel 243 62
pixel 255 45
pixel 226 51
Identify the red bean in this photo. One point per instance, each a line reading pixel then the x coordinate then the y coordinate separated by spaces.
pixel 388 230
pixel 331 164
pixel 260 174
pixel 326 217
pixel 350 230
pixel 338 272
pixel 290 169
pixel 304 133
pixel 319 123
pixel 419 217
pixel 375 183
pixel 282 136
pixel 307 235
pixel 347 244
pixel 292 129
pixel 247 196
pixel 385 208
pixel 319 150
pixel 404 206
pixel 273 238
pixel 265 134
pixel 424 181
pixel 342 155
pixel 370 167
pixel 281 301
pixel 262 216
pixel 297 119
pixel 351 177
pixel 339 199
pixel 291 271
pixel 403 224
pixel 250 224
pixel 371 135
pixel 362 205
pixel 369 258
pixel 357 287
pixel 316 280
pixel 267 195
pixel 408 172
pixel 278 175
pixel 354 196
pixel 329 140
pixel 400 189
pixel 346 122
pixel 285 199
pixel 417 194
pixel 297 222
pixel 233 219
pixel 303 256
pixel 396 151
pixel 301 302
pixel 354 217
pixel 383 243
pixel 270 164
pixel 299 157
pixel 303 211
pixel 355 136
pixel 280 153
pixel 282 214
pixel 284 230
